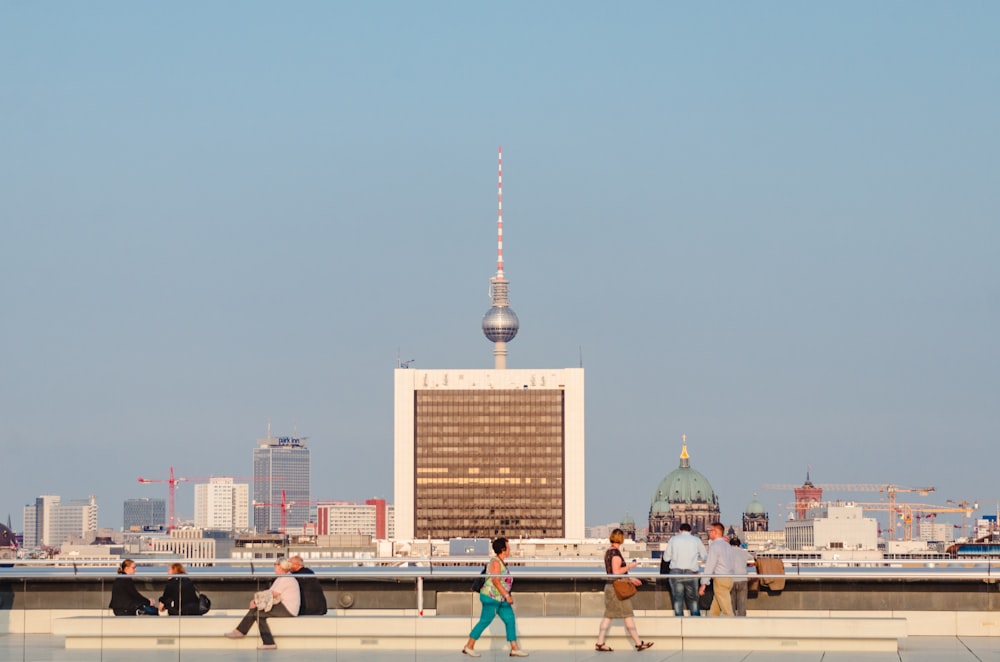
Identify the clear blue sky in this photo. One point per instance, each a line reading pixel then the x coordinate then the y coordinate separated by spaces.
pixel 770 226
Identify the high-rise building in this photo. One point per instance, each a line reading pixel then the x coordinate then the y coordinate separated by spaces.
pixel 222 504
pixel 49 522
pixel 145 513
pixel 37 521
pixel 372 518
pixel 487 453
pixel 281 476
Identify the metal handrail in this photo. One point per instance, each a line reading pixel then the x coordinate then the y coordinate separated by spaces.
pixel 470 567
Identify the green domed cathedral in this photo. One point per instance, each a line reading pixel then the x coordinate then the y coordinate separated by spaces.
pixel 755 517
pixel 684 495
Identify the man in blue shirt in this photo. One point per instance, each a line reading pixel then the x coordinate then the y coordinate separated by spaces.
pixel 719 562
pixel 685 553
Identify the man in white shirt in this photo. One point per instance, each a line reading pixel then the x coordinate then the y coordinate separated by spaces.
pixel 685 553
pixel 719 562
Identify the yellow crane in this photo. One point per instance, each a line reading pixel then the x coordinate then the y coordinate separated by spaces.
pixel 967 508
pixel 907 511
pixel 889 490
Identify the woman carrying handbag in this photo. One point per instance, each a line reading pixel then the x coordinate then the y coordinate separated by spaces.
pixel 615 606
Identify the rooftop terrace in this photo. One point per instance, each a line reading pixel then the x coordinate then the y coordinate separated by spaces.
pixel 912 649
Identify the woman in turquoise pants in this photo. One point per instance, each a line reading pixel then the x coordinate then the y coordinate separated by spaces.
pixel 496 600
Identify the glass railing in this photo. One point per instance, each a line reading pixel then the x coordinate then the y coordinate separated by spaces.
pixel 421 608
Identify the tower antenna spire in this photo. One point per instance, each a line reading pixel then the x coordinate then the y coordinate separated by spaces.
pixel 500 324
pixel 500 212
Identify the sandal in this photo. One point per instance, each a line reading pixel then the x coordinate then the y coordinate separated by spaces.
pixel 644 645
pixel 604 648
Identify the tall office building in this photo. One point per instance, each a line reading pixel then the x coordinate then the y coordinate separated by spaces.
pixel 487 453
pixel 49 522
pixel 139 514
pixel 37 520
pixel 222 504
pixel 281 475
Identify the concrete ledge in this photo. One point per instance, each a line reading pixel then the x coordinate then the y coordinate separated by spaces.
pixel 431 633
pixel 795 634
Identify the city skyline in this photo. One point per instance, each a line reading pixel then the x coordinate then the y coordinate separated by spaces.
pixel 768 228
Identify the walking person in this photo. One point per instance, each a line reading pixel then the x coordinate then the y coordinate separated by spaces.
pixel 496 600
pixel 686 554
pixel 614 607
pixel 741 559
pixel 281 600
pixel 719 562
pixel 126 600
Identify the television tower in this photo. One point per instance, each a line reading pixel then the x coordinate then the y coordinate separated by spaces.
pixel 499 323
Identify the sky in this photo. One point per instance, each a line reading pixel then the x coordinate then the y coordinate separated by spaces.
pixel 771 227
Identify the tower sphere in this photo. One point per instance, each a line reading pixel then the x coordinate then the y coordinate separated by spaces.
pixel 500 324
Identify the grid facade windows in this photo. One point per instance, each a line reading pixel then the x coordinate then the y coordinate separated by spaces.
pixel 489 463
pixel 281 464
pixel 146 512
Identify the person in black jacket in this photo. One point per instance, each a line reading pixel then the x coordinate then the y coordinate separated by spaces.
pixel 180 597
pixel 310 590
pixel 126 600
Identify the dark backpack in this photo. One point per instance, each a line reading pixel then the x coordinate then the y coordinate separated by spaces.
pixel 479 582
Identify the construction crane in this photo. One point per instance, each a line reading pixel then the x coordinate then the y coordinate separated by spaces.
pixel 285 506
pixel 910 511
pixel 172 489
pixel 963 504
pixel 885 488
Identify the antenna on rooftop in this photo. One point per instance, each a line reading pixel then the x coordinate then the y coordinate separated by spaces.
pixel 400 363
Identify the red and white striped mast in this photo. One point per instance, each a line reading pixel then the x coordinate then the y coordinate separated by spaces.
pixel 500 324
pixel 500 212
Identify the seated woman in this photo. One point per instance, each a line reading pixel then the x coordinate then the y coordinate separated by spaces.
pixel 126 600
pixel 180 597
pixel 283 600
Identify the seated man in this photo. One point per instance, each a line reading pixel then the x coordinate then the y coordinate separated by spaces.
pixel 313 599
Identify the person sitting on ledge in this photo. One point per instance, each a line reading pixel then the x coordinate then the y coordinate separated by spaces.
pixel 126 600
pixel 282 600
pixel 180 597
pixel 310 590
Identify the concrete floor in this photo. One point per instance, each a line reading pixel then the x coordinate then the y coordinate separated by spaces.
pixel 49 648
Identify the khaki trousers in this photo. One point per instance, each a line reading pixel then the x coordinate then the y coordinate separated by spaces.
pixel 722 603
